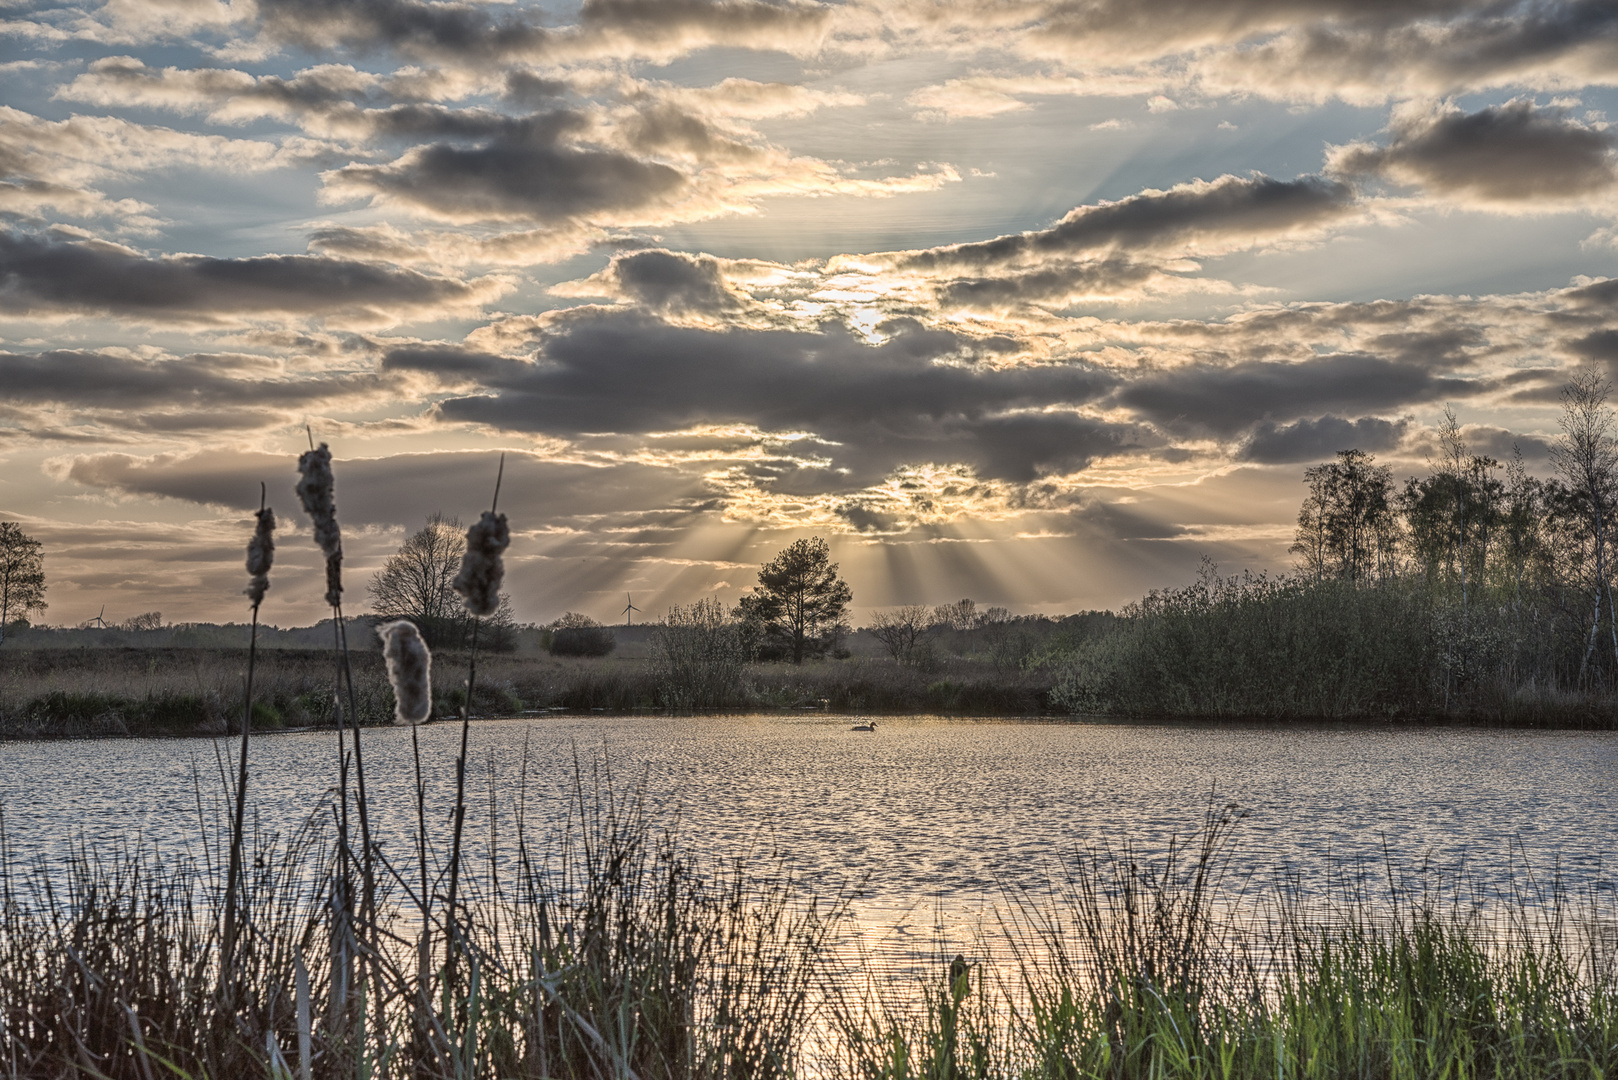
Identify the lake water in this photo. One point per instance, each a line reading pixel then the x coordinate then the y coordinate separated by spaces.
pixel 933 814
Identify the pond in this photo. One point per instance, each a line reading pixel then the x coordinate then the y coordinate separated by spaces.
pixel 931 816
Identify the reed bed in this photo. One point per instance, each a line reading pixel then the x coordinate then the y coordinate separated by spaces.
pixel 610 952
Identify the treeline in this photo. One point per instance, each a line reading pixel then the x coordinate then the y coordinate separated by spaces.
pixel 1478 590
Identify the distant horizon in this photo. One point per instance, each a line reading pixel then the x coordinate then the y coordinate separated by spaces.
pixel 1038 304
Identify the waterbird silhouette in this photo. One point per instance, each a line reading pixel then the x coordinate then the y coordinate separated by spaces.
pixel 865 727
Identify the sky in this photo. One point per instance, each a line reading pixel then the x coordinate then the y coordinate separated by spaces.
pixel 1037 303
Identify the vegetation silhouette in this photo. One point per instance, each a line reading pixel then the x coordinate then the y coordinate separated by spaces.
pixel 22 576
pixel 800 603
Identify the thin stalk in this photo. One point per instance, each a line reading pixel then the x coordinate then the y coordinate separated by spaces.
pixel 367 865
pixel 460 770
pixel 227 953
pixel 343 892
pixel 460 806
pixel 424 943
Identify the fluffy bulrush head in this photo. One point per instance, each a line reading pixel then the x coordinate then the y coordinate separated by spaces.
pixel 410 670
pixel 315 485
pixel 260 554
pixel 482 569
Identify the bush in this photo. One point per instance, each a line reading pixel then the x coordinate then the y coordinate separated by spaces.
pixel 700 656
pixel 1260 646
pixel 580 635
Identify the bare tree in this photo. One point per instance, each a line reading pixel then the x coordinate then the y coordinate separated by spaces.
pixel 22 574
pixel 1586 456
pixel 415 583
pixel 961 615
pixel 900 629
pixel 148 620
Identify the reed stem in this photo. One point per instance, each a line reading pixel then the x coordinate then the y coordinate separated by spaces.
pixel 233 883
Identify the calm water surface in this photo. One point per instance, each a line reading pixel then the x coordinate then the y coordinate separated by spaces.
pixel 932 814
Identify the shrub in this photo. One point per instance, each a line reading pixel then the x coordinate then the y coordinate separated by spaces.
pixel 580 635
pixel 700 656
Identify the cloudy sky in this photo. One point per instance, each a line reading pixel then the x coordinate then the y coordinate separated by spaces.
pixel 1033 302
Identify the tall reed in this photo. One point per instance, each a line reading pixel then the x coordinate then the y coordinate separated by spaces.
pixel 478 583
pixel 260 556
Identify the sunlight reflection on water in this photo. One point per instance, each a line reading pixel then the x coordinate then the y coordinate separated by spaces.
pixel 934 815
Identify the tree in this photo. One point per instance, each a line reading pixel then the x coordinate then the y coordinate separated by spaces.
pixel 900 629
pixel 1347 527
pixel 22 575
pixel 415 584
pixel 1586 455
pixel 799 602
pixel 961 615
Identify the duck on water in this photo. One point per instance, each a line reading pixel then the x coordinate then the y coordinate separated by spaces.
pixel 868 726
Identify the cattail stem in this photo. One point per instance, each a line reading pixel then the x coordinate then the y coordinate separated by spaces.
pixel 367 874
pixel 421 856
pixel 342 893
pixel 460 808
pixel 260 557
pixel 479 585
pixel 227 954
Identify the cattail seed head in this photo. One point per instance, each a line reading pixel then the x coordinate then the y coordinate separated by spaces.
pixel 482 569
pixel 315 487
pixel 260 554
pixel 410 670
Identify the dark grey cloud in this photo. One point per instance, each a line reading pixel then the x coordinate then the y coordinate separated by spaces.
pixel 1060 285
pixel 42 275
pixel 1148 28
pixel 204 381
pixel 1312 440
pixel 1415 51
pixel 1226 400
pixel 1229 209
pixel 620 371
pixel 529 90
pixel 1597 345
pixel 469 32
pixel 1504 153
pixel 665 281
pixel 430 29
pixel 400 489
pixel 521 168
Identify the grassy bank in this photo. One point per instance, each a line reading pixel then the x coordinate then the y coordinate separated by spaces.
pixel 613 952
pixel 79 693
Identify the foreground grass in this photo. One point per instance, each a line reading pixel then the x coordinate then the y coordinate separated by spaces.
pixel 611 952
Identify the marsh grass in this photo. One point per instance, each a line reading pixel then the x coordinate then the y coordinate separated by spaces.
pixel 609 952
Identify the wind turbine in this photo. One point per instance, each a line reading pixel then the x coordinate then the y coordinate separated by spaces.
pixel 98 621
pixel 628 618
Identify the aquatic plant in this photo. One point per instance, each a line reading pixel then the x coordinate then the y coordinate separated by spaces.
pixel 409 670
pixel 482 566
